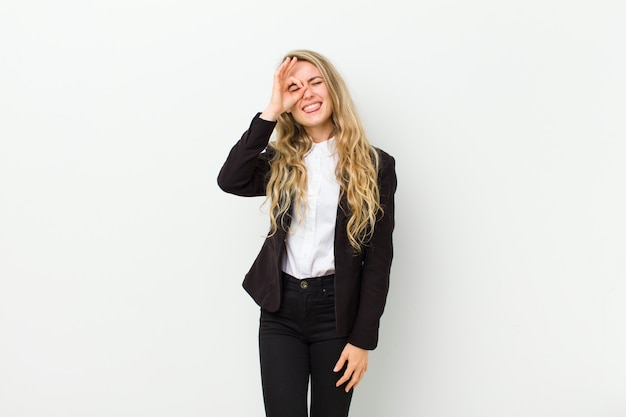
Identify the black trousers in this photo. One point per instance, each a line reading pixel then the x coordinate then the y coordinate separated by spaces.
pixel 298 344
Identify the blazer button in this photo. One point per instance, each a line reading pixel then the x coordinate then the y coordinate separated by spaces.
pixel 304 285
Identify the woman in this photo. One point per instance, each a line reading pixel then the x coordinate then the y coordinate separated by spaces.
pixel 322 275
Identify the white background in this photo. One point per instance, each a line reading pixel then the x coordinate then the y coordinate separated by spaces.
pixel 121 261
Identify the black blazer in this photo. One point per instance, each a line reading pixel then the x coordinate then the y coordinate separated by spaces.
pixel 361 278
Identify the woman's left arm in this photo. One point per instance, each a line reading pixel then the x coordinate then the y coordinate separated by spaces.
pixel 376 263
pixel 374 282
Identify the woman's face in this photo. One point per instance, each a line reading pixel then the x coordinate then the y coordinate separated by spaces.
pixel 314 109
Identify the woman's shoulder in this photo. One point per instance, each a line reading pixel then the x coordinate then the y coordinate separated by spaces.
pixel 386 169
pixel 384 157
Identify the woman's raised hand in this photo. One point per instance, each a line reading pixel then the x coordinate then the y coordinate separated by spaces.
pixel 286 91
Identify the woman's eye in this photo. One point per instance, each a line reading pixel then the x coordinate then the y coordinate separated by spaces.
pixel 316 83
pixel 293 88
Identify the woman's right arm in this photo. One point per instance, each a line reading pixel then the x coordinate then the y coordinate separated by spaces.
pixel 245 171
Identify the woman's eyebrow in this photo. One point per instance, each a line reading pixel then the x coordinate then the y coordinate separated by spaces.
pixel 312 78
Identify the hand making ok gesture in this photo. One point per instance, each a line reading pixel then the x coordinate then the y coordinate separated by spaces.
pixel 283 96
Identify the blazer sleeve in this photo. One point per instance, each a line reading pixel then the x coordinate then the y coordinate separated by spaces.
pixel 376 263
pixel 245 171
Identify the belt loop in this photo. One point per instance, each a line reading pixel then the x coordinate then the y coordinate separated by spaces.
pixel 324 286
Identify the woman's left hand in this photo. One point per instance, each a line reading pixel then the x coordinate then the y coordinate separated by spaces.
pixel 355 370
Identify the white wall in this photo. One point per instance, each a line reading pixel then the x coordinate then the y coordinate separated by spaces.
pixel 119 285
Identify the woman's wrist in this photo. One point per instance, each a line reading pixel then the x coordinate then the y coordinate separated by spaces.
pixel 269 114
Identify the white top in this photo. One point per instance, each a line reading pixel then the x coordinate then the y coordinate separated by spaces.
pixel 310 242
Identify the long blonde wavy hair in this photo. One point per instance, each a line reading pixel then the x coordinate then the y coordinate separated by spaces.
pixel 357 166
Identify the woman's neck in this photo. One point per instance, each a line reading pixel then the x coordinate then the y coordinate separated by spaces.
pixel 320 134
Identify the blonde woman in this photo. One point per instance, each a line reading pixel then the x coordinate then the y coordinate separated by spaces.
pixel 322 275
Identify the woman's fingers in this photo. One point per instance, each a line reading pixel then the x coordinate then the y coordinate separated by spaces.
pixel 357 375
pixel 290 62
pixel 293 81
pixel 287 89
pixel 281 100
pixel 283 71
pixel 356 359
pixel 351 377
pixel 341 362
